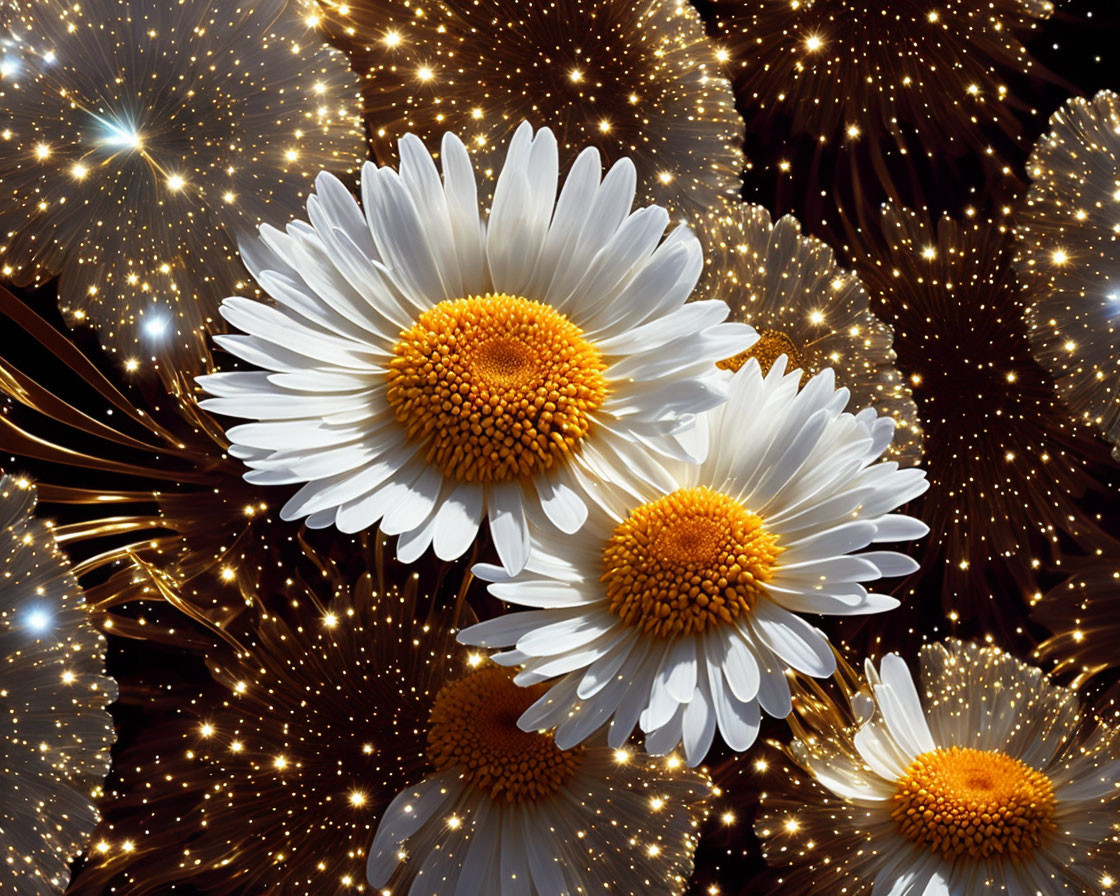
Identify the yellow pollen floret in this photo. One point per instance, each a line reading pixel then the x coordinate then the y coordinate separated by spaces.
pixel 770 345
pixel 964 802
pixel 693 559
pixel 495 388
pixel 474 728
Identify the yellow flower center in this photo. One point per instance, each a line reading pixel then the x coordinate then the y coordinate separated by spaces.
pixel 474 728
pixel 688 561
pixel 495 387
pixel 959 801
pixel 771 344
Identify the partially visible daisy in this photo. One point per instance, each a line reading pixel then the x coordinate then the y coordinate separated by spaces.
pixel 508 811
pixel 425 368
pixel 987 779
pixel 677 608
pixel 789 287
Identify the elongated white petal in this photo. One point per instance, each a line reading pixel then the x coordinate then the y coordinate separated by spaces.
pixel 901 706
pixel 508 526
pixel 405 815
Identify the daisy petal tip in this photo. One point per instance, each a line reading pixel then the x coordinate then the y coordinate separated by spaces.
pixel 490 572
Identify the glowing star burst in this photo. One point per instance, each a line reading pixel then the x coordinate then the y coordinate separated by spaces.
pixel 428 367
pixel 987 777
pixel 1069 247
pixel 789 288
pixel 1007 466
pixel 141 138
pixel 635 79
pixel 505 808
pixel 678 607
pixel 54 750
pixel 275 778
pixel 928 77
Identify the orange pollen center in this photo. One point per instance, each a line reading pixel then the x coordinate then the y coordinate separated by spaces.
pixel 964 802
pixel 495 388
pixel 473 727
pixel 688 561
pixel 771 344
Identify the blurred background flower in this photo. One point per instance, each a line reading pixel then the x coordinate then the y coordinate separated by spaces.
pixel 139 139
pixel 869 101
pixel 637 79
pixel 789 287
pixel 1068 230
pixel 1009 470
pixel 54 694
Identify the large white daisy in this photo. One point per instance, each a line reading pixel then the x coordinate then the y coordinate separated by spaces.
pixel 987 779
pixel 676 606
pixel 507 813
pixel 425 367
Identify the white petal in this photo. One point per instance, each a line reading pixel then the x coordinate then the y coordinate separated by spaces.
pixel 738 721
pixel 899 527
pixel 890 563
pixel 562 504
pixel 411 545
pixel 842 539
pixel 505 630
pixel 639 670
pixel 557 255
pixel 411 512
pixel 541 848
pixel 567 634
pixel 681 663
pixel 573 659
pixel 662 704
pixel 419 175
pixel 462 209
pixel 830 602
pixel 692 318
pixel 902 707
pixel 740 667
pixel 479 867
pixel 594 301
pixel 881 753
pixel 612 203
pixel 508 527
pixel 601 672
pixel 552 706
pixel 665 739
pixel 1095 784
pixel 592 715
pixel 793 640
pixel 543 593
pixel 698 724
pixel 773 689
pixel 514 868
pixel 406 814
pixel 457 521
pixel 399 232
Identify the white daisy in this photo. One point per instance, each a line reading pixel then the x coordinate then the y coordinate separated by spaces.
pixel 425 368
pixel 677 605
pixel 507 813
pixel 989 780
